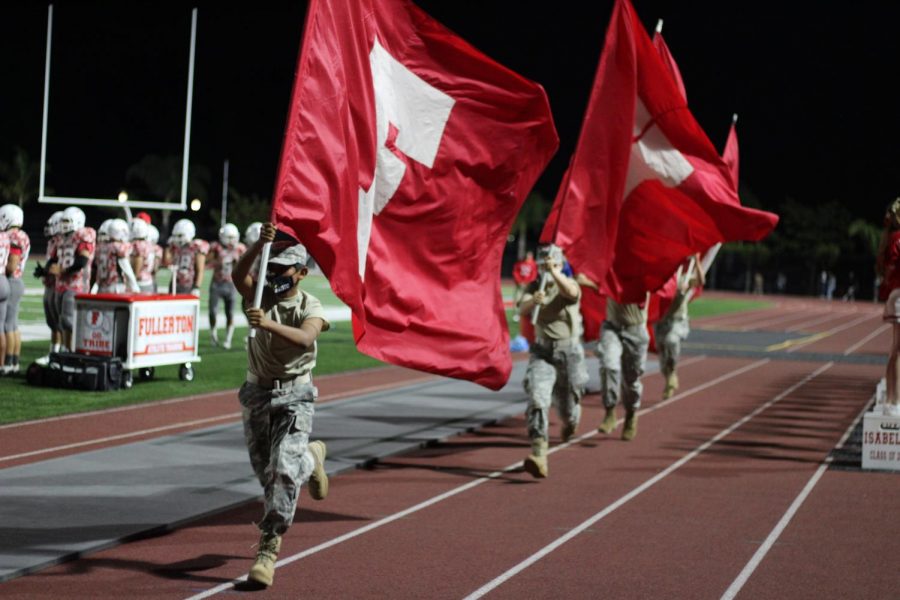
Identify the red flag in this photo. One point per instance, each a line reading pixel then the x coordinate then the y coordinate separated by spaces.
pixel 730 155
pixel 407 155
pixel 645 187
pixel 660 44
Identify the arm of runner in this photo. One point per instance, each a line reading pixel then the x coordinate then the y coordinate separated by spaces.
pixel 303 336
pixel 241 274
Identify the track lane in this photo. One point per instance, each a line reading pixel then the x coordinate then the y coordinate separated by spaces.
pixel 356 499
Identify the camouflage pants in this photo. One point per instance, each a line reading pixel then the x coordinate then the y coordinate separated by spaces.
pixel 554 375
pixel 669 335
pixel 623 356
pixel 277 424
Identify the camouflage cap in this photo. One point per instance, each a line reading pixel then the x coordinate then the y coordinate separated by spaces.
pixel 290 256
pixel 549 251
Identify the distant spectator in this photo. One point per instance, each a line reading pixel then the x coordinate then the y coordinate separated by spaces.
pixel 850 294
pixel 780 282
pixel 832 285
pixel 524 272
pixel 758 283
pixel 823 283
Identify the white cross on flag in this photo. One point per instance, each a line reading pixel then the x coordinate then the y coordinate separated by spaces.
pixel 645 188
pixel 407 155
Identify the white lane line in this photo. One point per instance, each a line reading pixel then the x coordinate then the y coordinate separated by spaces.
pixel 773 321
pixel 872 335
pixel 760 554
pixel 512 572
pixel 829 317
pixel 122 436
pixel 458 490
pixel 832 331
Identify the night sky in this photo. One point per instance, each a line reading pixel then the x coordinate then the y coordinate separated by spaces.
pixel 810 82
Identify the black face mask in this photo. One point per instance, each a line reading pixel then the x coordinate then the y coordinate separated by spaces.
pixel 280 283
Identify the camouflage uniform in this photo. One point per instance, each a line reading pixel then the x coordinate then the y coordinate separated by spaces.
pixel 277 403
pixel 671 330
pixel 623 352
pixel 277 424
pixel 556 368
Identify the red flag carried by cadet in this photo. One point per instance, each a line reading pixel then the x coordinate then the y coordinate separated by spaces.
pixel 730 154
pixel 645 187
pixel 666 55
pixel 407 155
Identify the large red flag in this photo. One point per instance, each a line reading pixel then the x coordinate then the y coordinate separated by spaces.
pixel 407 155
pixel 666 55
pixel 645 187
pixel 730 155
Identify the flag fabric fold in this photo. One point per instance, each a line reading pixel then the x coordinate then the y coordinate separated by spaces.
pixel 645 187
pixel 407 155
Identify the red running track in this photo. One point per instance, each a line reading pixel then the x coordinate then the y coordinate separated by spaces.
pixel 723 491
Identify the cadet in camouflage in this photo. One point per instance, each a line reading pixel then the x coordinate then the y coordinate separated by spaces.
pixel 623 355
pixel 556 369
pixel 277 400
pixel 674 327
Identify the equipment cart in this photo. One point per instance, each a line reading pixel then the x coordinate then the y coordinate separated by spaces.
pixel 145 331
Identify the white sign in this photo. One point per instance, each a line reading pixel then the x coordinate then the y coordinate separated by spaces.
pixel 881 442
pixel 95 330
pixel 164 332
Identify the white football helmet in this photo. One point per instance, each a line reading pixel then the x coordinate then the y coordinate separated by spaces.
pixel 183 232
pixel 52 226
pixel 139 229
pixel 251 235
pixel 152 234
pixel 229 235
pixel 103 231
pixel 72 220
pixel 11 216
pixel 118 230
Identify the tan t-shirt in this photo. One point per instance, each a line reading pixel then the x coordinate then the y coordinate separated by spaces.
pixel 274 357
pixel 559 318
pixel 624 315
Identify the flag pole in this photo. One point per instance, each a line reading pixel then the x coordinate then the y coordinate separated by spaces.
pixel 261 280
pixel 734 118
pixel 225 194
pixel 659 25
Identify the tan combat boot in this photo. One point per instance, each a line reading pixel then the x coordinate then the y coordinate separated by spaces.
pixel 609 423
pixel 263 570
pixel 318 481
pixel 671 385
pixel 630 429
pixel 568 430
pixel 536 463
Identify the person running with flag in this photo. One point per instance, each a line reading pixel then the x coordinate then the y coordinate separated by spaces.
pixel 556 370
pixel 278 397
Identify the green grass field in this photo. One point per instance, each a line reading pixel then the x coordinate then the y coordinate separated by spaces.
pixel 705 306
pixel 221 369
pixel 218 370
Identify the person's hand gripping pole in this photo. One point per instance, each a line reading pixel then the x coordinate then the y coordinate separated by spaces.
pixel 266 235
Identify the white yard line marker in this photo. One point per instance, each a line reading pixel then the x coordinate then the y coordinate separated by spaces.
pixel 512 572
pixel 760 554
pixel 465 487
